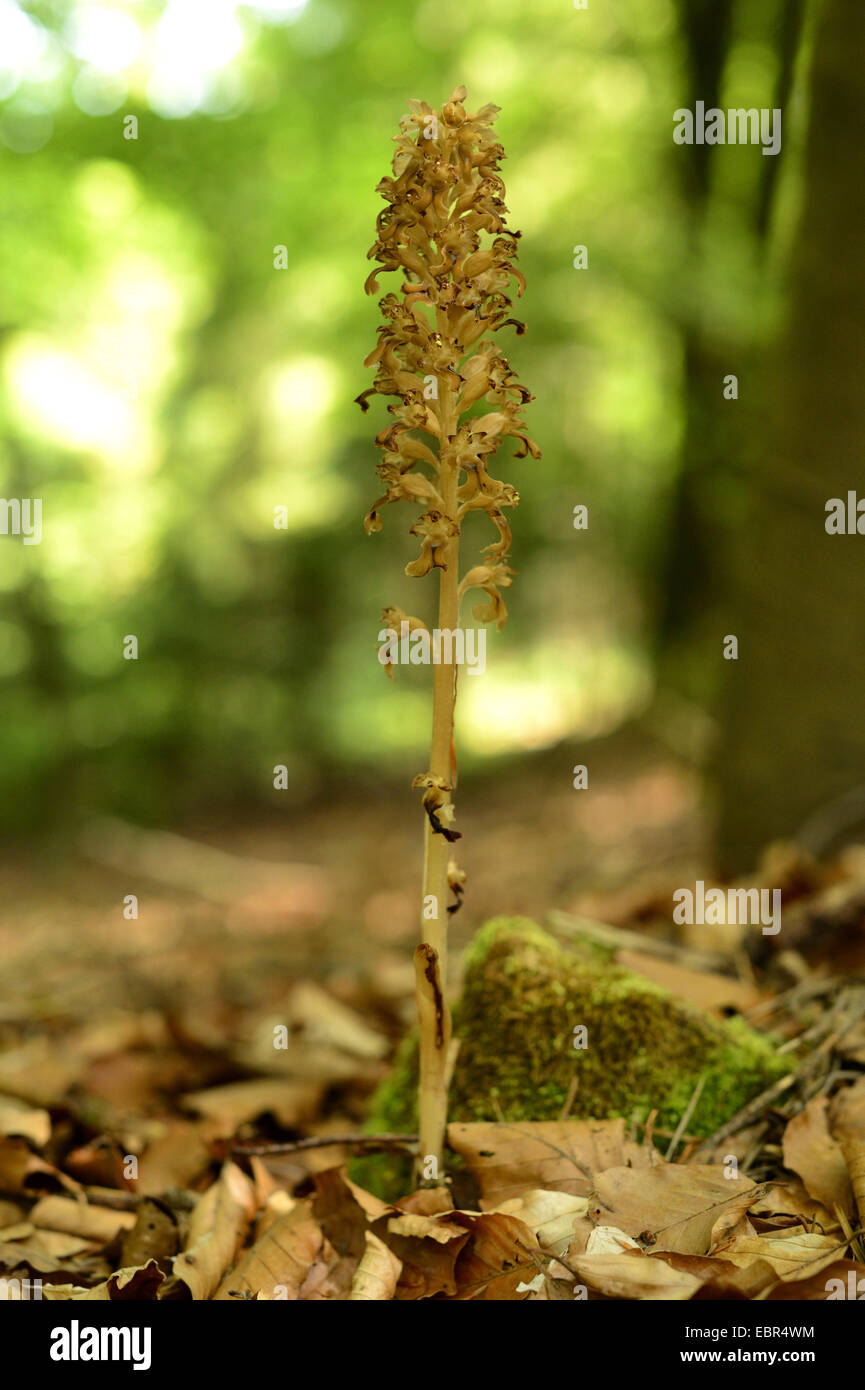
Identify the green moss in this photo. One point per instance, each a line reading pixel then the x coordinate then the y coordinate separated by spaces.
pixel 523 996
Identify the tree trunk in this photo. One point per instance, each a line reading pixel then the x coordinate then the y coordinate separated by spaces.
pixel 792 739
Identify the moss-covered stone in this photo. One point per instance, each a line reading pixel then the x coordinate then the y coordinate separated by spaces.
pixel 523 996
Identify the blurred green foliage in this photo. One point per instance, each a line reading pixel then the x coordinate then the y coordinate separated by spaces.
pixel 163 387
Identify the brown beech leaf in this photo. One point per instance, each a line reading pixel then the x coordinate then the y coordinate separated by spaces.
pixel 428 1247
pixel 496 1257
pixel 229 1107
pixel 95 1223
pixel 39 1071
pixel 730 1283
pixel 24 1121
pixel 377 1274
pixel 700 987
pixel 631 1274
pixel 324 1021
pixel 23 1171
pixel 216 1228
pixel 101 1162
pixel 58 1245
pixel 345 1211
pixel 427 1201
pixel 786 1251
pixel 155 1235
pixel 135 1285
pixel 847 1110
pixel 550 1216
pixel 677 1204
pixel 177 1157
pixel 788 1204
pixel 279 1261
pixel 818 1288
pixel 811 1151
pixel 508 1159
pixel 15 1254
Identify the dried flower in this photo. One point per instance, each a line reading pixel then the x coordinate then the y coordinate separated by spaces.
pixel 443 229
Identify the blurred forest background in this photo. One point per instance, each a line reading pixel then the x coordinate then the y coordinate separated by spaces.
pixel 164 387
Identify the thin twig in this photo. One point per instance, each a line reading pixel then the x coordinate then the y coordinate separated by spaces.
pixel 686 1116
pixel 748 1112
pixel 569 1098
pixel 325 1142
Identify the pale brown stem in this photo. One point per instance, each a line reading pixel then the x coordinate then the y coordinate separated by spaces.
pixel 434 1041
pixel 435 1032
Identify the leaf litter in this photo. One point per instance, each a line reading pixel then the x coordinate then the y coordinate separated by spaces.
pixel 128 1167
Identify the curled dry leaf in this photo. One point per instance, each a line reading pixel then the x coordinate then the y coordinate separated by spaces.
pixel 609 1240
pixel 550 1216
pixel 23 1171
pixel 40 1072
pixel 496 1258
pixel 788 1204
pixel 155 1235
pixel 216 1228
pixel 279 1261
pixel 176 1158
pixel 132 1285
pixel 811 1151
pixel 848 1277
pixel 229 1107
pixel 634 1275
pixel 701 987
pixel 786 1251
pixel 377 1274
pixel 428 1247
pixel 78 1218
pixel 325 1021
pixel 17 1118
pixel 345 1211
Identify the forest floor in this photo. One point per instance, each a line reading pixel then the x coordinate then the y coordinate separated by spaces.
pixel 135 1052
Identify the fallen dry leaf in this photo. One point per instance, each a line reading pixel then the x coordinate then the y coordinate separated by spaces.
pixel 78 1218
pixel 788 1203
pixel 428 1247
pixel 701 987
pixel 124 1285
pixel 811 1151
pixel 176 1158
pixel 229 1107
pixel 39 1072
pixel 634 1275
pixel 508 1159
pixel 377 1274
pixel 216 1228
pixel 550 1216
pixel 496 1257
pixel 678 1205
pixel 25 1121
pixel 23 1171
pixel 817 1288
pixel 345 1211
pixel 609 1240
pixel 786 1251
pixel 154 1236
pixel 324 1021
pixel 280 1259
